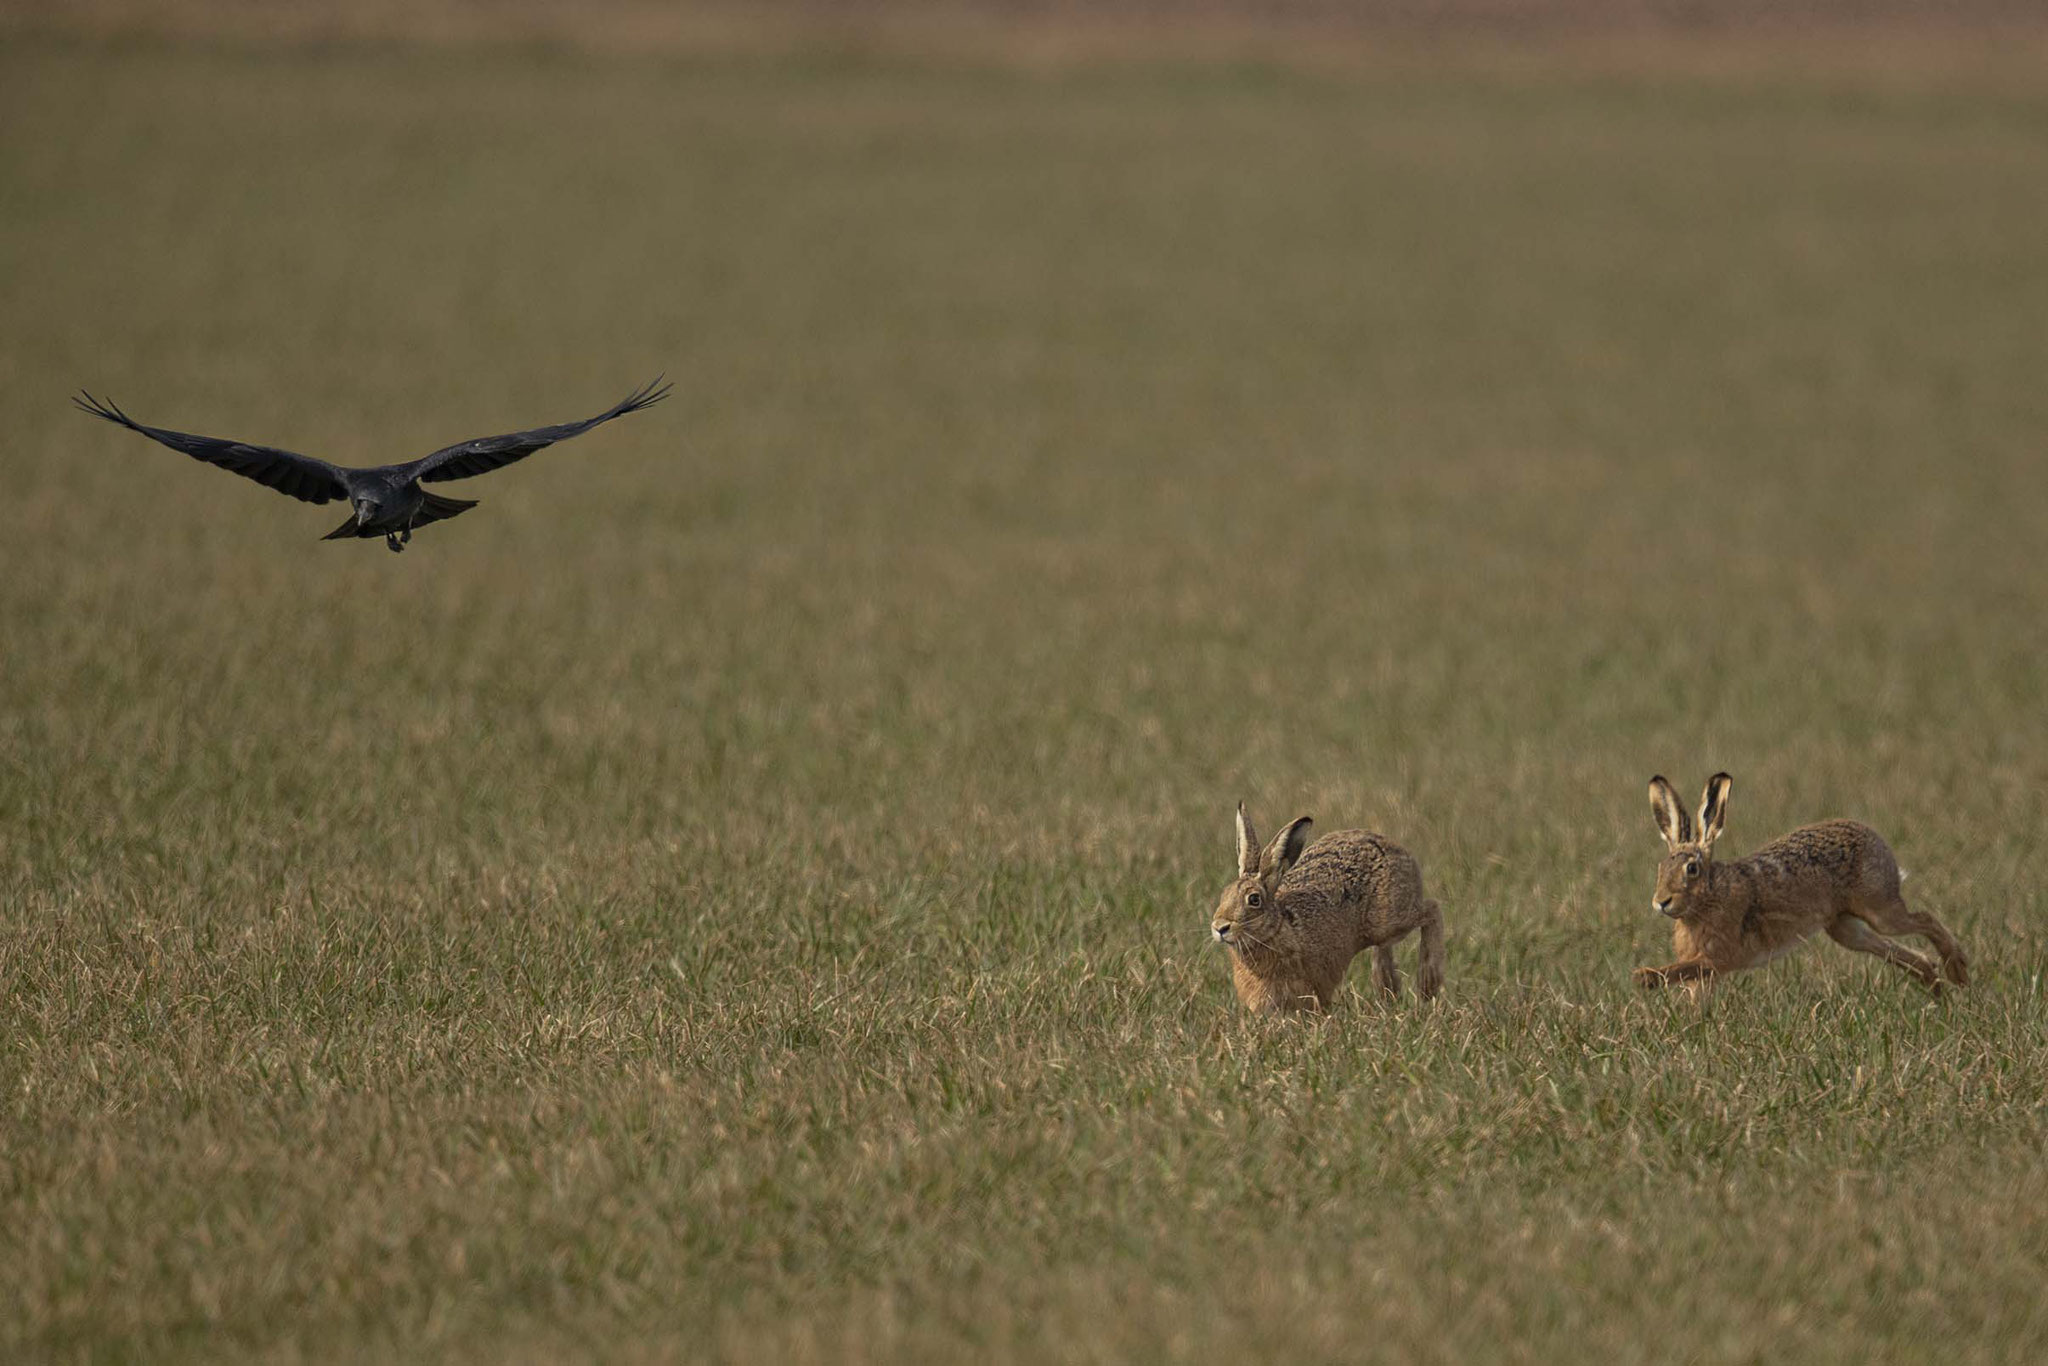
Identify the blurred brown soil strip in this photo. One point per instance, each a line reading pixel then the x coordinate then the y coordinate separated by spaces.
pixel 1882 42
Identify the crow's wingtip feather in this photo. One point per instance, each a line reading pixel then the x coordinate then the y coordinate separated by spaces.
pixel 99 407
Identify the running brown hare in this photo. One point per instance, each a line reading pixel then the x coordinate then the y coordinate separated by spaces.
pixel 1298 913
pixel 1837 876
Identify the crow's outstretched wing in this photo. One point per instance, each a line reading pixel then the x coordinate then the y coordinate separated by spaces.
pixel 301 476
pixel 488 453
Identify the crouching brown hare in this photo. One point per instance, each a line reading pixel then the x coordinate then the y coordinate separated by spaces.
pixel 1299 912
pixel 1837 876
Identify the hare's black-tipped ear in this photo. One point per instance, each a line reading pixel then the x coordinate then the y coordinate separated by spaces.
pixel 1284 850
pixel 1247 845
pixel 1670 813
pixel 1714 808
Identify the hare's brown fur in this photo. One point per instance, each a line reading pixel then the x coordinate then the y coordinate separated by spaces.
pixel 1296 916
pixel 1836 876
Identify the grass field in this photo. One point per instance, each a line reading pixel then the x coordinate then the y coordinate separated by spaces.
pixel 741 893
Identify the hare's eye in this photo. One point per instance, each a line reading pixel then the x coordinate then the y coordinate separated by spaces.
pixel 1692 867
pixel 1253 900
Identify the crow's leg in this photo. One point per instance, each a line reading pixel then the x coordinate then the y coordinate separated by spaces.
pixel 391 539
pixel 406 535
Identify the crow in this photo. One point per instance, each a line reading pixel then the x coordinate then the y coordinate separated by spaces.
pixel 388 499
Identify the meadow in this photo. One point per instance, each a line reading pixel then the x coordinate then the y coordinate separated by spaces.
pixel 741 894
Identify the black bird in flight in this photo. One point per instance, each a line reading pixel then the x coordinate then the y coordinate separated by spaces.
pixel 388 499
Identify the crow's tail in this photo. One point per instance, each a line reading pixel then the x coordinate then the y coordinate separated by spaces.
pixel 439 509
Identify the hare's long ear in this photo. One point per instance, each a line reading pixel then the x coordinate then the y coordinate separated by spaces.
pixel 1714 808
pixel 1670 813
pixel 1283 851
pixel 1247 845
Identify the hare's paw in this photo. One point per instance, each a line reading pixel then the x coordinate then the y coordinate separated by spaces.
pixel 1649 979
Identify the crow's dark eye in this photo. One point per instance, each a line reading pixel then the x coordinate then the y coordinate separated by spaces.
pixel 1254 900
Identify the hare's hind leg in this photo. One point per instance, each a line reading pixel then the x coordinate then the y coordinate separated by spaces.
pixel 1851 932
pixel 1896 918
pixel 1429 969
pixel 1386 973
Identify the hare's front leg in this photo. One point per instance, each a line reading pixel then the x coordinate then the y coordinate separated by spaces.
pixel 1685 970
pixel 1259 995
pixel 1276 995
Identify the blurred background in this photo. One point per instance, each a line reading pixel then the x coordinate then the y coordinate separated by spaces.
pixel 742 891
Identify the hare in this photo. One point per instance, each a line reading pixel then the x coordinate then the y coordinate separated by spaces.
pixel 1298 913
pixel 1837 876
